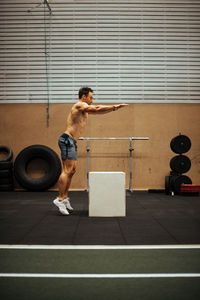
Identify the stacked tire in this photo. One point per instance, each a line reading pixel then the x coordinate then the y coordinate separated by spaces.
pixel 6 169
pixel 29 154
pixel 179 165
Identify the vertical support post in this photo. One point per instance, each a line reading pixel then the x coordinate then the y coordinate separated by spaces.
pixel 88 161
pixel 131 165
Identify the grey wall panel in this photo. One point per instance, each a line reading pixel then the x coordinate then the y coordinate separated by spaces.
pixel 131 51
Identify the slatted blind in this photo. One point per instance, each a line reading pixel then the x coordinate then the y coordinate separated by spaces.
pixel 133 51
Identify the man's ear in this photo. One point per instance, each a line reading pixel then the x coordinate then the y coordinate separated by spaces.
pixel 84 97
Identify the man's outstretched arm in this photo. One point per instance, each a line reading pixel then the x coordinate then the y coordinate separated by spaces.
pixel 101 109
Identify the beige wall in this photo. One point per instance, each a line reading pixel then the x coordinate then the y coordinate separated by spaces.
pixel 25 124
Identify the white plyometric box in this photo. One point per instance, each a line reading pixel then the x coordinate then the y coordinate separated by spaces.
pixel 107 196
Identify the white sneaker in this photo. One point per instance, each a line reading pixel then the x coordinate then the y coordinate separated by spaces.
pixel 67 204
pixel 61 206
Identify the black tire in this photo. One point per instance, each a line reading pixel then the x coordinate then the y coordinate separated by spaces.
pixel 6 165
pixel 8 151
pixel 6 187
pixel 8 180
pixel 5 173
pixel 37 152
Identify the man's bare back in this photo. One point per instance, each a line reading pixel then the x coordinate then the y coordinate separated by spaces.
pixel 78 116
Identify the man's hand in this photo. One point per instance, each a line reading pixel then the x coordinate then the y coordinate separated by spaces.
pixel 115 107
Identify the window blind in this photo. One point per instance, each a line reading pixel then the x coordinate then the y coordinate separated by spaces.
pixel 133 51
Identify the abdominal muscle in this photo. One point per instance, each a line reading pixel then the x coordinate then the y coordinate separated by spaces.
pixel 74 132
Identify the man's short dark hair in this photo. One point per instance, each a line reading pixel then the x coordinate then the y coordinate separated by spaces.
pixel 84 91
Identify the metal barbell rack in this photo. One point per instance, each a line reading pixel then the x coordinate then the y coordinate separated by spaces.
pixel 131 139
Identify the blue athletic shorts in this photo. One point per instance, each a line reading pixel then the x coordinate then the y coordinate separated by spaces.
pixel 68 147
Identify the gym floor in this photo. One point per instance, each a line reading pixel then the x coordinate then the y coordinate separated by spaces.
pixel 100 273
pixel 151 219
pixel 152 253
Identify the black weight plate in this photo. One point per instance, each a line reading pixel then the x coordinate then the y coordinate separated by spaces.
pixel 172 173
pixel 180 144
pixel 180 164
pixel 178 180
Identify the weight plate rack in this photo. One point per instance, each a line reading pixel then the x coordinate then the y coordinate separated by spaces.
pixel 179 165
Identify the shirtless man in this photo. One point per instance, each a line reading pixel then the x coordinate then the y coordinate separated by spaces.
pixel 76 123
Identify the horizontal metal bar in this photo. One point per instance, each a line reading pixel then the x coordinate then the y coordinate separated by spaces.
pixel 113 138
pixel 131 138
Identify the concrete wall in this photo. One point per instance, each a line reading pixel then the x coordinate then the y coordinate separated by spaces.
pixel 23 125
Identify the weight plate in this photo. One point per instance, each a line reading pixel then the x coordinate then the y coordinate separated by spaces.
pixel 172 173
pixel 180 164
pixel 180 144
pixel 177 181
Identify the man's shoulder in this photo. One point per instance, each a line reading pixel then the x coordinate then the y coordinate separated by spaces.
pixel 80 105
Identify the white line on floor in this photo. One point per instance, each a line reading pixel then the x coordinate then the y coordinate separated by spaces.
pixel 136 275
pixel 99 247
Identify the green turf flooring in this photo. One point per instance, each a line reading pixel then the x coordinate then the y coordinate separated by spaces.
pixel 100 289
pixel 98 262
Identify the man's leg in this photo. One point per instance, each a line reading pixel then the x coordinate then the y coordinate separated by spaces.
pixel 69 168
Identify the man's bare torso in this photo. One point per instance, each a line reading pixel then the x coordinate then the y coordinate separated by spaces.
pixel 76 122
pixel 78 116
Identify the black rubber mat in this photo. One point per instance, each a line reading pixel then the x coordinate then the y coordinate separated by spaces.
pixel 32 218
